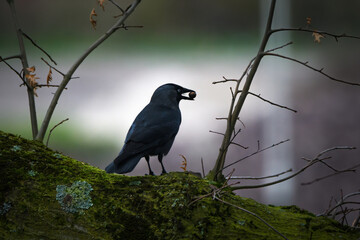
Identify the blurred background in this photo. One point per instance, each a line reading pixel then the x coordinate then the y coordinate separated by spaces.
pixel 194 43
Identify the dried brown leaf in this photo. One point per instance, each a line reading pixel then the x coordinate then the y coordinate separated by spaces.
pixel 101 4
pixel 183 163
pixel 49 77
pixel 32 79
pixel 317 37
pixel 92 20
pixel 34 91
pixel 308 20
pixel 31 69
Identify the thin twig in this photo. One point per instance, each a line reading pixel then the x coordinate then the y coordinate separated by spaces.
pixel 214 191
pixel 272 103
pixel 351 169
pixel 312 68
pixel 68 76
pixel 336 36
pixel 239 145
pixel 277 48
pixel 251 213
pixel 47 85
pixel 63 74
pixel 252 154
pixel 11 57
pixel 118 6
pixel 219 133
pixel 127 27
pixel 312 162
pixel 47 142
pixel 259 178
pixel 225 80
pixel 202 167
pixel 14 70
pixel 41 49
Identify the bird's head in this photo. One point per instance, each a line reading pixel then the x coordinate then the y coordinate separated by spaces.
pixel 172 93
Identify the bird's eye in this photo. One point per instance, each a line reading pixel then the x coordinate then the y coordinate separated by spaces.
pixel 179 90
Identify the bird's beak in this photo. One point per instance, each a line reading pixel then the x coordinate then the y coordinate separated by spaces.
pixel 191 95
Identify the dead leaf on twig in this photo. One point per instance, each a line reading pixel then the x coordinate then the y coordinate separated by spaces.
pixel 317 37
pixel 31 69
pixel 308 20
pixel 183 163
pixel 49 77
pixel 101 4
pixel 32 80
pixel 92 20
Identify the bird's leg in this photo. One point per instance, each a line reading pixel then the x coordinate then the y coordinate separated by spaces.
pixel 147 158
pixel 160 156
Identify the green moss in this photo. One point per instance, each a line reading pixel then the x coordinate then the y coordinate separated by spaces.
pixel 123 207
pixel 74 199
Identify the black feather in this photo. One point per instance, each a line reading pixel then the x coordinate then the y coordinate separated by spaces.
pixel 153 130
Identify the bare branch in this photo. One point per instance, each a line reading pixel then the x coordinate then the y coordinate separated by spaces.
pixel 41 49
pixel 40 136
pixel 215 191
pixel 351 169
pixel 259 178
pixel 14 70
pixel 312 68
pixel 118 6
pixel 254 153
pixel 225 80
pixel 277 48
pixel 239 145
pixel 11 57
pixel 235 109
pixel 63 74
pixel 336 36
pixel 202 167
pixel 30 90
pixel 48 85
pixel 310 163
pixel 127 27
pixel 47 142
pixel 272 103
pixel 251 213
pixel 219 133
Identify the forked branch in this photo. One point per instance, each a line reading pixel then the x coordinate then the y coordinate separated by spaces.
pixel 68 75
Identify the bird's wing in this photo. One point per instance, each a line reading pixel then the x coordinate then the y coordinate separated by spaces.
pixel 154 127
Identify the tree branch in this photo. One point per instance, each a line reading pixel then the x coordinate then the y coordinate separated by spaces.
pixel 63 74
pixel 235 109
pixel 30 90
pixel 118 6
pixel 11 57
pixel 272 103
pixel 259 178
pixel 312 68
pixel 68 75
pixel 310 163
pixel 254 153
pixel 41 49
pixel 52 129
pixel 14 70
pixel 351 169
pixel 336 36
pixel 251 213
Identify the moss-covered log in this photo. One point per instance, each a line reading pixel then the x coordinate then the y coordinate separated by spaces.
pixel 46 195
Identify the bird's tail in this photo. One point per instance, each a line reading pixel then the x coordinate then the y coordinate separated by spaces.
pixel 120 165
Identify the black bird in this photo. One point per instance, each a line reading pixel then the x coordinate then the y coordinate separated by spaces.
pixel 153 130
